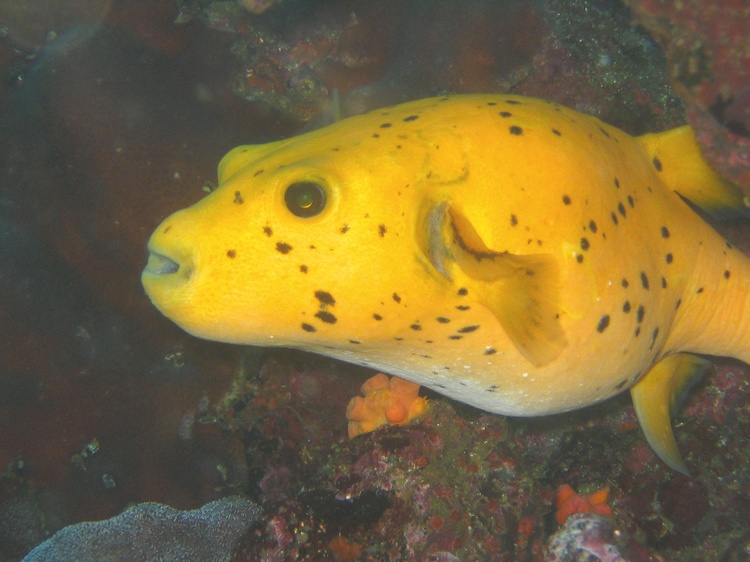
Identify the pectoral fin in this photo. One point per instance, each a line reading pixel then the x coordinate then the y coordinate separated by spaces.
pixel 523 291
pixel 656 397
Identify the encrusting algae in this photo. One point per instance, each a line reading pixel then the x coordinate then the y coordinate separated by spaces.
pixel 504 251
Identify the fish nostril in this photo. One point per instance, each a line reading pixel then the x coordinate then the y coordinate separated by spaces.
pixel 161 265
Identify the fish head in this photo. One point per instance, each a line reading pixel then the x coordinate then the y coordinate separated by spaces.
pixel 305 242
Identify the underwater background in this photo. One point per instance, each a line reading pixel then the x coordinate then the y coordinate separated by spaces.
pixel 115 113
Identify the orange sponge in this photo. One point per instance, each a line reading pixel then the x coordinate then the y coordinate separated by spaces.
pixel 386 400
pixel 568 502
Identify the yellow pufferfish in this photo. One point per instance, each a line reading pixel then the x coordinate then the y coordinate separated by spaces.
pixel 504 251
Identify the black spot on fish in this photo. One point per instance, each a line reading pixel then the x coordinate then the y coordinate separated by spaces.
pixel 584 244
pixel 626 307
pixel 579 258
pixel 386 125
pixel 396 297
pixel 231 254
pixel 699 291
pixel 566 200
pixel 637 332
pixel 491 103
pixel 382 230
pixel 625 284
pixel 462 292
pixel 415 327
pixel 238 198
pixel 411 118
pixel 668 258
pixel 455 337
pixel 513 102
pixel 267 231
pixel 308 327
pixel 513 220
pixel 283 247
pixel 603 323
pixel 303 268
pixel 727 273
pixel 605 133
pixel 592 226
pixel 556 132
pixel 443 319
pixel 663 283
pixel 617 183
pixel 640 314
pixel 462 307
pixel 653 338
pixel 621 208
pixel 631 202
pixel 677 304
pixel 505 114
pixel 344 229
pixel 664 232
pixel 657 163
pixel 375 136
pixel 644 280
pixel 377 317
pixel 467 329
pixel 728 245
pixel 259 172
pixel 398 339
pixel 614 218
pixel 620 384
pixel 325 298
pixel 326 317
pixel 490 350
pixel 355 341
pixel 515 130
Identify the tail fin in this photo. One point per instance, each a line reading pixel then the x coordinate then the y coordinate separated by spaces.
pixel 678 159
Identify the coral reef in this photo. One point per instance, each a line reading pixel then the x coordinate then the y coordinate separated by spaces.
pixel 709 63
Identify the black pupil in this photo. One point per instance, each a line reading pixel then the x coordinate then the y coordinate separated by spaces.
pixel 305 199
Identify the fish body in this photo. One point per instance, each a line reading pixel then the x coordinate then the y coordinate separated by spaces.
pixel 504 251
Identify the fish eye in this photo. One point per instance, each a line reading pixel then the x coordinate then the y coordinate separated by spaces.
pixel 305 199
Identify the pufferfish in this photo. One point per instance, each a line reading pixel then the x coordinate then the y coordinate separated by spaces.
pixel 504 251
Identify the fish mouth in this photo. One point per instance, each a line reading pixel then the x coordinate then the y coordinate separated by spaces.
pixel 159 264
pixel 166 270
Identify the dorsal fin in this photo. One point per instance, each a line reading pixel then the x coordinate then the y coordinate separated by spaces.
pixel 523 291
pixel 678 160
pixel 656 397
